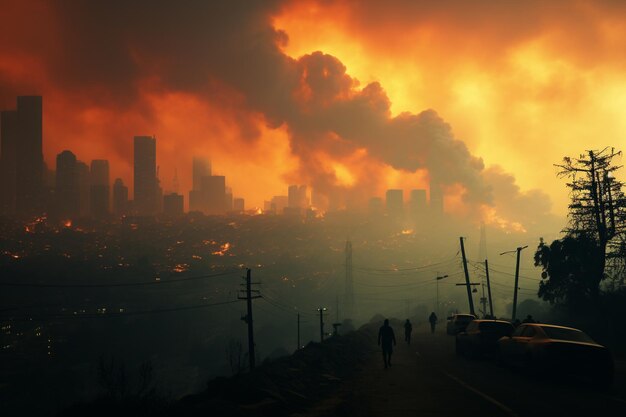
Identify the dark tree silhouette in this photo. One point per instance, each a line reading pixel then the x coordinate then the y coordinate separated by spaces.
pixel 574 267
pixel 571 264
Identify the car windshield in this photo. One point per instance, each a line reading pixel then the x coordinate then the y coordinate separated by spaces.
pixel 464 318
pixel 560 333
pixel 491 326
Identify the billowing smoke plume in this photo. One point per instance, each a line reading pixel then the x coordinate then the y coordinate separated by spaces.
pixel 111 54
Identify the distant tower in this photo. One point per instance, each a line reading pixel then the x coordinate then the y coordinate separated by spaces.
pixel 436 199
pixel 395 203
pixel 29 156
pixel 120 197
pixel 145 175
pixel 349 302
pixel 67 186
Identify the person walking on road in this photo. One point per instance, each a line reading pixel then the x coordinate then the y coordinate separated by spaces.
pixel 386 339
pixel 408 328
pixel 433 321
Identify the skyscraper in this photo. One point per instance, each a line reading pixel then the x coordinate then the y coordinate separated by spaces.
pixel 145 176
pixel 173 205
pixel 100 190
pixel 417 204
pixel 395 203
pixel 67 190
pixel 214 188
pixel 29 156
pixel 239 205
pixel 120 197
pixel 8 161
pixel 197 197
pixel 436 199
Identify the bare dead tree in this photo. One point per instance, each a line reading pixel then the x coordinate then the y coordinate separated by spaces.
pixel 598 205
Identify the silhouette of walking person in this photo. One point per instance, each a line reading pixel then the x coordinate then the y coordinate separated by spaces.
pixel 386 339
pixel 408 328
pixel 433 321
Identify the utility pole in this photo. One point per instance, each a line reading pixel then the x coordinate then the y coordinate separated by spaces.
pixel 321 310
pixel 467 280
pixel 519 251
pixel 437 279
pixel 298 348
pixel 489 288
pixel 248 318
pixel 483 300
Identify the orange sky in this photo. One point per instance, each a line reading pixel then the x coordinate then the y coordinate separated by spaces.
pixel 520 84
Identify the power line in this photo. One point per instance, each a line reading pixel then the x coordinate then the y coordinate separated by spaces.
pixel 124 284
pixel 120 314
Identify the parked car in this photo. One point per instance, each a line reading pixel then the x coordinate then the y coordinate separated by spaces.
pixel 549 350
pixel 458 322
pixel 481 337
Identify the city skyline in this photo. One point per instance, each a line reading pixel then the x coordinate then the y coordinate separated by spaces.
pixel 82 190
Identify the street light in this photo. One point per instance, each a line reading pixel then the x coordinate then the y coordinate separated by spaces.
pixel 437 279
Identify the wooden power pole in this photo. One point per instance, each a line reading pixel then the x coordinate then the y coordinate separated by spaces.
pixel 248 318
pixel 467 280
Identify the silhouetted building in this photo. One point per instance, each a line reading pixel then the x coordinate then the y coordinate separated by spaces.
pixel 99 192
pixel 29 161
pixel 318 200
pixel 197 199
pixel 8 161
pixel 417 203
pixel 214 190
pixel 279 202
pixel 436 199
pixel 145 176
pixel 67 186
pixel 21 158
pixel 173 205
pixel 201 168
pixel 120 198
pixel 228 199
pixel 239 205
pixel 394 203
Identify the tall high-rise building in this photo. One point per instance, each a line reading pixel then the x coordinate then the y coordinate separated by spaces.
pixel 436 199
pixel 8 161
pixel 239 205
pixel 29 156
pixel 120 198
pixel 21 158
pixel 293 196
pixel 67 186
pixel 214 189
pixel 417 203
pixel 173 205
pixel 279 203
pixel 394 203
pixel 100 191
pixel 198 199
pixel 201 168
pixel 145 175
pixel 297 197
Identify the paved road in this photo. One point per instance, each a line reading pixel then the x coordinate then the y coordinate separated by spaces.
pixel 428 379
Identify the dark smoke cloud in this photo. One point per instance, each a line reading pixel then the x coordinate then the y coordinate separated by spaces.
pixel 228 52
